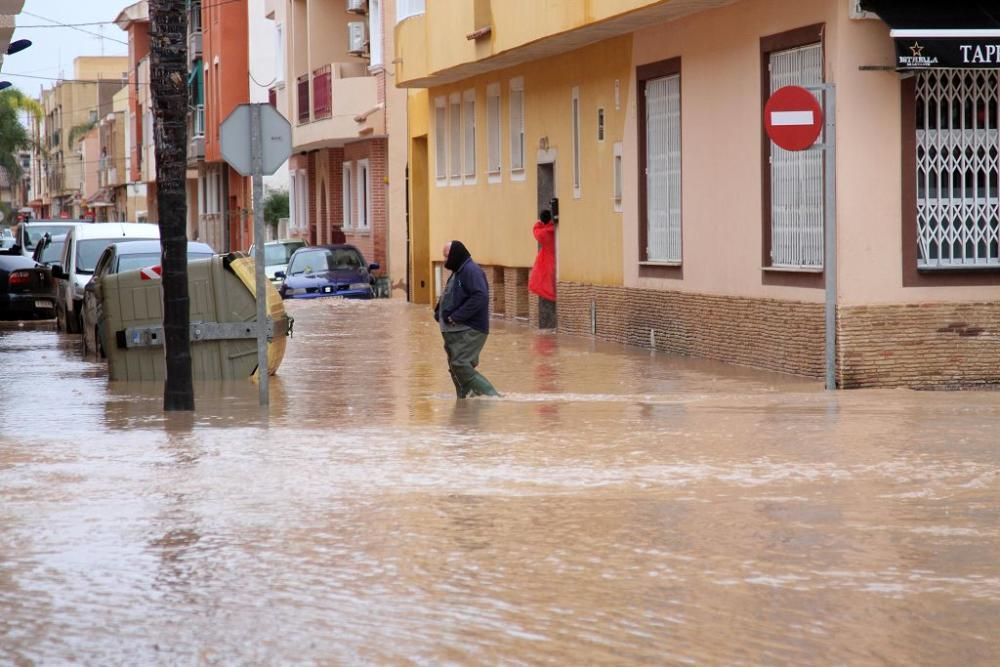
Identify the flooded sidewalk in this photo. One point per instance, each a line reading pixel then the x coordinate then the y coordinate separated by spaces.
pixel 617 506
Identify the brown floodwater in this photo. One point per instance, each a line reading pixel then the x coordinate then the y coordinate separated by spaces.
pixel 617 506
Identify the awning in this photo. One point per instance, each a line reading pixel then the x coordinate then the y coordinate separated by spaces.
pixel 936 33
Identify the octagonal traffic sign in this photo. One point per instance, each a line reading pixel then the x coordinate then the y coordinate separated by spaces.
pixel 793 118
pixel 236 144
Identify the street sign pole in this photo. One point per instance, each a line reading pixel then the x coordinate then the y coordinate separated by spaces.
pixel 830 240
pixel 257 157
pixel 270 145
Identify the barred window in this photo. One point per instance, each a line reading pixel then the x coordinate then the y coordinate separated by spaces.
pixel 796 176
pixel 958 161
pixel 662 125
pixel 440 140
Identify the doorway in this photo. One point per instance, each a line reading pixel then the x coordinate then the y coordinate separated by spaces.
pixel 546 192
pixel 420 233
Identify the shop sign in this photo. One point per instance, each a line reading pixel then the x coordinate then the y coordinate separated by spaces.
pixel 926 49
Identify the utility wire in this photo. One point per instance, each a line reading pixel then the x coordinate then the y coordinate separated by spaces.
pixel 66 25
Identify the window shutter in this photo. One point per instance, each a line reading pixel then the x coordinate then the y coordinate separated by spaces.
pixel 663 169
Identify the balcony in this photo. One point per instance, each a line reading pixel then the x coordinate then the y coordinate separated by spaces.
pixel 111 178
pixel 336 103
pixel 194 46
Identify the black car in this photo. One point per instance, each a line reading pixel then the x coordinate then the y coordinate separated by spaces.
pixel 26 289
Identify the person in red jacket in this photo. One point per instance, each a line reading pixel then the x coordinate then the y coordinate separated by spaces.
pixel 542 280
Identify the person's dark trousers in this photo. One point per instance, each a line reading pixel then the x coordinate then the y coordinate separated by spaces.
pixel 463 348
pixel 546 313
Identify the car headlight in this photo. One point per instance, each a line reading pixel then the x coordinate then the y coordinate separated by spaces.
pixel 294 291
pixel 360 286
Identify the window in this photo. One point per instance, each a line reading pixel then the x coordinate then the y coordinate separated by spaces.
pixel 279 54
pixel 957 154
pixel 493 159
pixel 375 33
pixel 618 177
pixel 469 123
pixel 440 140
pixel 796 176
pixel 517 128
pixel 347 194
pixel 455 137
pixel 364 195
pixel 575 124
pixel 660 162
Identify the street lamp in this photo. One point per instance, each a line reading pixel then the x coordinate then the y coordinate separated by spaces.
pixel 18 46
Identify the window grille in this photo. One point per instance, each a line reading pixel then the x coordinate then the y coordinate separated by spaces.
pixel 575 113
pixel 958 159
pixel 455 123
pixel 469 119
pixel 493 129
pixel 516 126
pixel 663 169
pixel 796 176
pixel 440 134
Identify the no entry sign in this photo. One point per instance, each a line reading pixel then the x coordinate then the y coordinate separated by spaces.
pixel 793 118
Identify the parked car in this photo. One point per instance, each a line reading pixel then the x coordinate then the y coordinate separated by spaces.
pixel 81 250
pixel 30 233
pixel 118 257
pixel 327 271
pixel 49 249
pixel 276 256
pixel 26 289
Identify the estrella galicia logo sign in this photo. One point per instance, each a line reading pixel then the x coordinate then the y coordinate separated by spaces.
pixel 915 57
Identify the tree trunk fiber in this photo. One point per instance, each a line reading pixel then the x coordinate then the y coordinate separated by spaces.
pixel 168 81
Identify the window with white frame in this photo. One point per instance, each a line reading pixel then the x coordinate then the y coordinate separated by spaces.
pixel 796 176
pixel 957 147
pixel 455 137
pixel 660 199
pixel 617 177
pixel 441 139
pixel 347 194
pixel 279 54
pixel 493 157
pixel 302 210
pixel 375 33
pixel 469 129
pixel 517 126
pixel 364 195
pixel 575 126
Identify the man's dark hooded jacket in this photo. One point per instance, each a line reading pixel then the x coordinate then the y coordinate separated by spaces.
pixel 470 298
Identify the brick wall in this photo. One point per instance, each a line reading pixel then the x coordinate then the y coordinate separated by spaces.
pixel 311 172
pixel 515 292
pixel 922 345
pixel 373 241
pixel 784 336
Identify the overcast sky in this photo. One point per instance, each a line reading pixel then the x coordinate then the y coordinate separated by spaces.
pixel 54 49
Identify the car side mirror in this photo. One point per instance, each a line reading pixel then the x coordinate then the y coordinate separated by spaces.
pixel 374 267
pixel 279 274
pixel 57 272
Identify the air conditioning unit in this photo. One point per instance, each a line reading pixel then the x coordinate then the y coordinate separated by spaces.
pixel 357 6
pixel 855 12
pixel 356 38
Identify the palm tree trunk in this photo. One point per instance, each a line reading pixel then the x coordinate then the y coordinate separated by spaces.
pixel 168 81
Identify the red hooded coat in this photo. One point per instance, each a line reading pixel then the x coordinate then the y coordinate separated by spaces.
pixel 542 280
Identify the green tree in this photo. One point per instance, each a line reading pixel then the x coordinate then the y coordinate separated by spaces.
pixel 13 136
pixel 275 207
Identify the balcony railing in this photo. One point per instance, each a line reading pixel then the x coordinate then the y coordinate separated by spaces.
pixel 198 121
pixel 303 98
pixel 322 89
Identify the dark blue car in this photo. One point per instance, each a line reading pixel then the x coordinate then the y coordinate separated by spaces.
pixel 327 271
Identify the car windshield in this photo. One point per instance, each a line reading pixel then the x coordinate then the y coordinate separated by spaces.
pixel 278 253
pixel 324 259
pixel 36 232
pixel 53 251
pixel 142 260
pixel 88 252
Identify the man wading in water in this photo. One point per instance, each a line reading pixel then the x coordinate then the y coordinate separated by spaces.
pixel 463 312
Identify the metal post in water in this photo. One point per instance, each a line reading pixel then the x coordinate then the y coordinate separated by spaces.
pixel 830 241
pixel 257 156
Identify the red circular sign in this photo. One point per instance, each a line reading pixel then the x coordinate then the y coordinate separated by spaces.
pixel 793 118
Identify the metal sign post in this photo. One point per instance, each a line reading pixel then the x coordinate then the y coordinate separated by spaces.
pixel 792 119
pixel 269 145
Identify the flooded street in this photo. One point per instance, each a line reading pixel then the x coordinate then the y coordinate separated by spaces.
pixel 617 506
